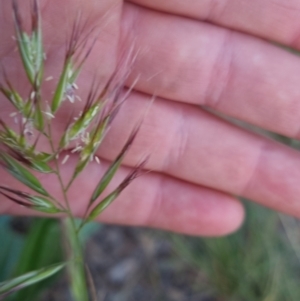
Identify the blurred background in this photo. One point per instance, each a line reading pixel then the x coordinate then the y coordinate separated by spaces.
pixel 261 262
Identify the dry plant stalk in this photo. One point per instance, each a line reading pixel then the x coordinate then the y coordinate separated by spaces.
pixel 19 154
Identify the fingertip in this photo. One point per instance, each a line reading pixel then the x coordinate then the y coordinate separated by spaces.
pixel 223 215
pixel 198 211
pixel 232 218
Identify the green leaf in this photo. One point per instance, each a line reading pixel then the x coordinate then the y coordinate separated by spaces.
pixel 22 174
pixel 103 205
pixel 38 116
pixel 37 41
pixel 114 167
pixel 42 204
pixel 14 97
pixel 97 137
pixel 90 149
pixel 28 279
pixel 80 125
pixel 11 247
pixel 9 133
pixel 47 210
pixel 105 180
pixel 41 248
pixel 45 157
pixel 23 41
pixel 40 166
pixel 113 195
pixel 59 93
pixel 80 166
pixel 29 158
pixel 30 47
pixel 34 202
pixel 84 121
pixel 76 267
pixel 28 110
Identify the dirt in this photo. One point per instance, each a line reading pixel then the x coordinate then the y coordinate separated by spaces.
pixel 133 264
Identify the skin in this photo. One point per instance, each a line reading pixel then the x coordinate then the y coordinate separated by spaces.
pixel 217 54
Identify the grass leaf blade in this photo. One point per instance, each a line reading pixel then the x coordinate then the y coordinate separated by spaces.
pixel 22 174
pixel 136 172
pixel 23 42
pixel 28 279
pixel 59 93
pixel 76 268
pixel 105 180
pixel 38 203
pixel 103 205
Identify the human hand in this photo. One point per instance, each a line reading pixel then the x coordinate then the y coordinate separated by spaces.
pixel 199 161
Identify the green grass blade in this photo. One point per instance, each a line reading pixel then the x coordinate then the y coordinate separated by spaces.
pixel 84 121
pixel 23 41
pixel 41 248
pixel 90 149
pixel 39 117
pixel 15 284
pixel 30 46
pixel 34 202
pixel 44 205
pixel 97 137
pixel 76 268
pixel 106 179
pixel 37 39
pixel 22 174
pixel 14 98
pixel 80 125
pixel 103 205
pixel 11 247
pixel 59 93
pixel 40 166
pixel 136 172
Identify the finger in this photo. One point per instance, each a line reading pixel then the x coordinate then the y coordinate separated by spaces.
pixel 195 146
pixel 152 200
pixel 273 20
pixel 198 63
pixel 98 20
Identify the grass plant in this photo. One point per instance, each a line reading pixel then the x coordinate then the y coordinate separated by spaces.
pixel 252 265
pixel 21 157
pixel 258 263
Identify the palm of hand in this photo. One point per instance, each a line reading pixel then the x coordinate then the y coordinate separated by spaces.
pixel 199 161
